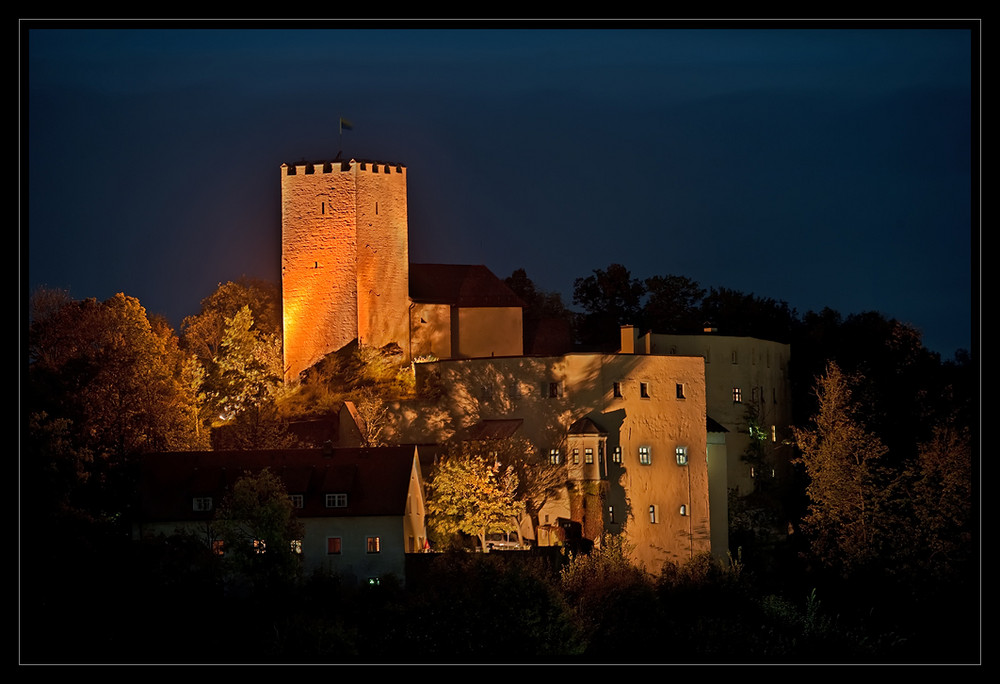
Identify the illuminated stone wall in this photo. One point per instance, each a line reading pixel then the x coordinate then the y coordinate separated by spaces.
pixel 344 258
pixel 551 393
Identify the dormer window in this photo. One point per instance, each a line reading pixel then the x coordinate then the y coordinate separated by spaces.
pixel 336 500
pixel 202 504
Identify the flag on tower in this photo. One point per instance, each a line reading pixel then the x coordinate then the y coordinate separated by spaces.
pixel 345 124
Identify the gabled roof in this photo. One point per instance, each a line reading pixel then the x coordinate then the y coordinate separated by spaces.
pixel 585 426
pixel 376 480
pixel 459 285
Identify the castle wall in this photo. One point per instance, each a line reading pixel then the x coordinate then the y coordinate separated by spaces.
pixel 550 393
pixel 487 331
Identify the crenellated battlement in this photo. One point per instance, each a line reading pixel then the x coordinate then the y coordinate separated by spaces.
pixel 301 168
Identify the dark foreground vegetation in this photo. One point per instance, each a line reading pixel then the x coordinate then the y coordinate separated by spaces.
pixel 104 601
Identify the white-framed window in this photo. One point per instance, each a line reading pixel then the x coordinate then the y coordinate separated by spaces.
pixel 338 500
pixel 202 504
pixel 588 455
pixel 682 455
pixel 298 500
pixel 737 395
pixel 645 457
pixel 576 456
pixel 374 545
pixel 555 458
pixel 616 455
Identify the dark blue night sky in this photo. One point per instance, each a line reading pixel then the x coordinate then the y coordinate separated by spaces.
pixel 822 165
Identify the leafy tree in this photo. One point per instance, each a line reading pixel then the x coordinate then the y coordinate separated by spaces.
pixel 673 305
pixel 472 494
pixel 849 515
pixel 746 315
pixel 610 298
pixel 203 332
pixel 258 527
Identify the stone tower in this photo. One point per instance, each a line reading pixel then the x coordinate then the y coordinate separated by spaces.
pixel 344 258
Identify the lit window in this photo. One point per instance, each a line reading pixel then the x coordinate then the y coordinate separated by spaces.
pixel 336 500
pixel 644 456
pixel 680 390
pixel 259 546
pixel 684 510
pixel 218 547
pixel 611 514
pixel 576 456
pixel 297 547
pixel 644 390
pixel 298 500
pixel 616 455
pixel 682 455
pixel 201 503
pixel 616 389
pixel 737 395
pixel 588 455
pixel 333 545
pixel 774 433
pixel 374 546
pixel 652 513
pixel 554 456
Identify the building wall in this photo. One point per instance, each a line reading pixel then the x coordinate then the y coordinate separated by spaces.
pixel 487 331
pixel 430 331
pixel 757 368
pixel 550 393
pixel 344 258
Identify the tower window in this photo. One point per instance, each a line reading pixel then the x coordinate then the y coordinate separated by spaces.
pixel 680 390
pixel 645 458
pixel 644 390
pixel 616 389
pixel 682 455
pixel 652 513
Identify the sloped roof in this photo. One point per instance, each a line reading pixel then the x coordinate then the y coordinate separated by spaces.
pixel 376 480
pixel 714 426
pixel 495 429
pixel 585 426
pixel 459 285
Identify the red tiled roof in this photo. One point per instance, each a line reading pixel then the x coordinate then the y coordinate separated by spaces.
pixel 459 285
pixel 376 480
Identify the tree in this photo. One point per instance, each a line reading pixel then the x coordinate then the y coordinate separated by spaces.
pixel 203 332
pixel 470 494
pixel 850 492
pixel 610 298
pixel 673 305
pixel 258 527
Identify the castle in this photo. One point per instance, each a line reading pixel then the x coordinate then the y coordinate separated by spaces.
pixel 644 455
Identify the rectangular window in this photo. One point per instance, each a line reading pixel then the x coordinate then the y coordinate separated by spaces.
pixel 774 433
pixel 333 546
pixel 336 500
pixel 576 456
pixel 737 395
pixel 734 356
pixel 611 514
pixel 374 545
pixel 554 390
pixel 680 390
pixel 652 513
pixel 554 456
pixel 201 504
pixel 298 500
pixel 616 389
pixel 259 546
pixel 616 455
pixel 682 455
pixel 218 547
pixel 588 455
pixel 644 390
pixel 297 547
pixel 644 456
